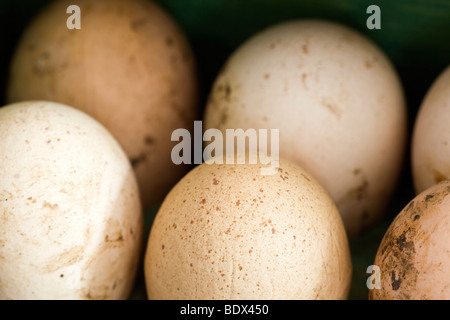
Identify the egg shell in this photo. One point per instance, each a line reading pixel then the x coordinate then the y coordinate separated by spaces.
pixel 228 232
pixel 430 155
pixel 70 214
pixel 129 66
pixel 337 101
pixel 414 255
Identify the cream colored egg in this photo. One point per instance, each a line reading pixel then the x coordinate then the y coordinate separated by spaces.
pixel 431 136
pixel 337 101
pixel 228 232
pixel 129 66
pixel 71 220
pixel 414 255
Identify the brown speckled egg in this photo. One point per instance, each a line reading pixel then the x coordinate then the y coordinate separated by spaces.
pixel 414 255
pixel 228 232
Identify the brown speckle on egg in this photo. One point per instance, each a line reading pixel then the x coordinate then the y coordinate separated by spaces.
pixel 413 254
pixel 245 233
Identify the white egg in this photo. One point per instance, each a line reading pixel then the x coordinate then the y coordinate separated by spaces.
pixel 71 220
pixel 337 102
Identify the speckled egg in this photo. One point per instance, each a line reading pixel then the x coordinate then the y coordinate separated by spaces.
pixel 414 255
pixel 228 232
pixel 337 101
pixel 70 214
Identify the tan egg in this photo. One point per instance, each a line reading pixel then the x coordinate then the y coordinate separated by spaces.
pixel 414 255
pixel 229 232
pixel 431 136
pixel 337 101
pixel 70 215
pixel 129 66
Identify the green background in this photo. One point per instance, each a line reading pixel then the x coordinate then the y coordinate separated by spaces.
pixel 415 35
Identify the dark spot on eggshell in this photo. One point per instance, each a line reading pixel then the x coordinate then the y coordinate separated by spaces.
pixel 139 23
pixel 224 90
pixel 227 91
pixel 49 205
pixel 135 161
pixel 119 238
pixel 405 245
pixel 398 256
pixel 410 205
pixel 223 117
pixel 333 108
pixel 306 178
pixel 304 76
pixel 359 192
pixel 305 49
pixel 395 282
pixel 149 140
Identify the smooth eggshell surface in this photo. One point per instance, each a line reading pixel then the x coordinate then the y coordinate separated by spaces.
pixel 228 232
pixel 70 215
pixel 431 136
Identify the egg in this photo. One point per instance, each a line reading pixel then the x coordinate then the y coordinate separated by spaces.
pixel 226 231
pixel 414 254
pixel 70 214
pixel 430 155
pixel 129 66
pixel 337 102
